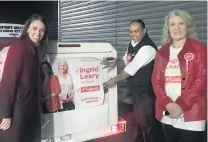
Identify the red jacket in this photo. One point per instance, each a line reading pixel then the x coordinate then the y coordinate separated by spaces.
pixel 193 80
pixel 53 102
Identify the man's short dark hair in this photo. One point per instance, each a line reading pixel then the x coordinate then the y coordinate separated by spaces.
pixel 139 21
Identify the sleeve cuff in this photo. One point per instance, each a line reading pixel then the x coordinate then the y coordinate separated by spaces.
pixel 5 113
pixel 184 106
pixel 164 102
pixel 127 69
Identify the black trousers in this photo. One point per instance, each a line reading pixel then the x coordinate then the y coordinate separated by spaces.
pixel 144 118
pixel 179 135
pixel 68 106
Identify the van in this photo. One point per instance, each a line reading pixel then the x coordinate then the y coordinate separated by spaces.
pixel 87 110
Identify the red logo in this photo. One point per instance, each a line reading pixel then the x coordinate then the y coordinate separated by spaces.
pixel 90 88
pixel 188 56
pixel 128 58
pixel 172 79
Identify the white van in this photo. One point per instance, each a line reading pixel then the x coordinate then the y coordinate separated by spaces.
pixel 95 112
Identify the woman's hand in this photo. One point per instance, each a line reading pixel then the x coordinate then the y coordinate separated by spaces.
pixel 63 99
pixel 5 123
pixel 174 110
pixel 53 95
pixel 71 96
pixel 70 99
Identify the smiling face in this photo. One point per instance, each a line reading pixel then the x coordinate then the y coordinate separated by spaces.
pixel 36 31
pixel 177 28
pixel 136 31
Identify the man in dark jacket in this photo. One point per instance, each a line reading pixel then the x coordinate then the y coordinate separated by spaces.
pixel 139 61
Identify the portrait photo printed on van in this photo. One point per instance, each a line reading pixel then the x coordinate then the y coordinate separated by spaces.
pixel 57 88
pixel 80 81
pixel 66 85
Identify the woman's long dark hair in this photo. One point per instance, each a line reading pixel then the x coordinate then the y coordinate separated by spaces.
pixel 29 21
pixel 42 75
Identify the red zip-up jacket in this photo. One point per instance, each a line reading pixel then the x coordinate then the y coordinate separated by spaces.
pixel 193 66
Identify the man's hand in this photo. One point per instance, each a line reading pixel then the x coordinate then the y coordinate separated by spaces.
pixel 174 110
pixel 5 123
pixel 108 64
pixel 110 83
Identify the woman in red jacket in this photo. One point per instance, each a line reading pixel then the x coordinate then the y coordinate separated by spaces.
pixel 179 80
pixel 51 89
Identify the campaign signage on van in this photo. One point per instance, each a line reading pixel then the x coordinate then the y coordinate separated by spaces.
pixel 83 80
pixel 89 77
pixel 10 30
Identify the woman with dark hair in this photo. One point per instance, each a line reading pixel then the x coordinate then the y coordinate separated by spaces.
pixel 51 89
pixel 40 45
pixel 19 98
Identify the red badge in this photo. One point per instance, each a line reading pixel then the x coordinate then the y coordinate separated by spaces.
pixel 128 58
pixel 189 56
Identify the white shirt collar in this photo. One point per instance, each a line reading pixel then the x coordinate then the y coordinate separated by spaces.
pixel 134 43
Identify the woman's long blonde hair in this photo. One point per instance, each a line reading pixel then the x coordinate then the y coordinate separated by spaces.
pixel 191 33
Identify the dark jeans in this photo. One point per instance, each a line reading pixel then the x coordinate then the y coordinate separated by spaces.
pixel 179 135
pixel 68 106
pixel 144 118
